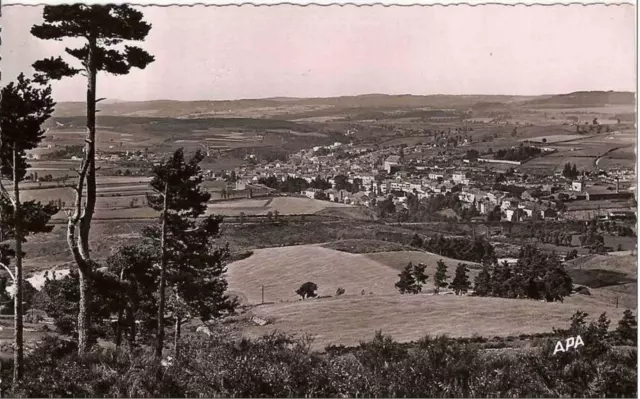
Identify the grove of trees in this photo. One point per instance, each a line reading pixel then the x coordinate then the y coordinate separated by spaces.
pixel 536 275
pixel 412 278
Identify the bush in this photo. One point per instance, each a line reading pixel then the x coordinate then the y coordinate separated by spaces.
pixel 307 290
pixel 279 365
pixel 340 291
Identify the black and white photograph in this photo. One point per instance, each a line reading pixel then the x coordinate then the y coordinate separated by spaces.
pixel 318 200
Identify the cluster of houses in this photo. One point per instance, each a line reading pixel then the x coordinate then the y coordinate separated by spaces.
pixel 385 172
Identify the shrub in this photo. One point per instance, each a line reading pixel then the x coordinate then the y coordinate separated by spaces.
pixel 307 290
pixel 340 291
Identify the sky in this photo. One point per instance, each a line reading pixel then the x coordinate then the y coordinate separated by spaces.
pixel 227 53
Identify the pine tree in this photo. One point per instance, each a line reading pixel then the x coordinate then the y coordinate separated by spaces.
pixel 419 277
pixel 460 283
pixel 482 282
pixel 407 283
pixel 101 27
pixel 440 277
pixel 189 262
pixel 627 329
pixel 416 241
pixel 136 307
pixel 24 108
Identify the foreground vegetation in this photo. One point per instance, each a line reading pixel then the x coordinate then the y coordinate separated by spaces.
pixel 278 365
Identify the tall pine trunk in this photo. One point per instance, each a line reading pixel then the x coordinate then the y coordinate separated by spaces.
pixel 131 319
pixel 163 266
pixel 176 336
pixel 119 328
pixel 84 321
pixel 18 354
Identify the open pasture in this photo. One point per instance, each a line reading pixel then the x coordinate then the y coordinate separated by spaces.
pixel 283 205
pixel 283 270
pixel 558 138
pixel 350 319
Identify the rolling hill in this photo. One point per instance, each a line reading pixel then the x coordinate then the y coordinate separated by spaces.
pixel 287 108
pixel 351 319
pixel 583 99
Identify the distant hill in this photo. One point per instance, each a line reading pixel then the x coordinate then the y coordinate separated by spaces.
pixel 290 108
pixel 277 106
pixel 583 99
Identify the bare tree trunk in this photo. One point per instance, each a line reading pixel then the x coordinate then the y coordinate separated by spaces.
pixel 176 337
pixel 131 318
pixel 85 220
pixel 119 328
pixel 18 355
pixel 163 265
pixel 83 313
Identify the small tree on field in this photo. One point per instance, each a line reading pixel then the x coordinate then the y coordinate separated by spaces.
pixel 340 291
pixel 482 283
pixel 406 283
pixel 460 283
pixel 307 290
pixel 412 278
pixel 440 278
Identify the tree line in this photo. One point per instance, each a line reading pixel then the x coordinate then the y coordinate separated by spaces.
pixel 469 249
pixel 413 277
pixel 521 153
pixel 536 275
pixel 294 184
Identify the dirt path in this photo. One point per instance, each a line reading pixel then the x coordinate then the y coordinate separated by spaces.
pixel 597 161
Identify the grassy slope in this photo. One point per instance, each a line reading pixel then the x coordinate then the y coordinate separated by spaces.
pixel 349 319
pixel 608 277
pixel 283 270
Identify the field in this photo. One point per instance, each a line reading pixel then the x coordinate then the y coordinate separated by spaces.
pixel 282 270
pixel 282 205
pixel 371 302
pixel 349 320
pixel 609 278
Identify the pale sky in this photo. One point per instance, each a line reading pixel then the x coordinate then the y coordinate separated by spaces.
pixel 222 53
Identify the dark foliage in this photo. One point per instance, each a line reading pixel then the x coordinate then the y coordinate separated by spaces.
pixel 279 365
pixel 412 278
pixel 517 154
pixel 460 284
pixel 536 275
pixel 307 290
pixel 472 250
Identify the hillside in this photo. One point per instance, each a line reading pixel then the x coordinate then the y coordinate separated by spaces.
pixel 610 278
pixel 583 99
pixel 351 319
pixel 283 270
pixel 277 106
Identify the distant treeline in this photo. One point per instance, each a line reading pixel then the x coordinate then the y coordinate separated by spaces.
pixel 517 154
pixel 173 125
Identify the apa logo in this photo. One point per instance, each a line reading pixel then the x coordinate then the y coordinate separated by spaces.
pixel 570 342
